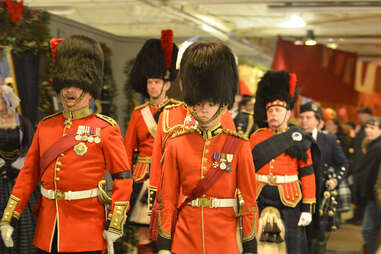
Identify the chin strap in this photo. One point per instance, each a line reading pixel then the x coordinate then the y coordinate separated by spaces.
pixel 77 101
pixel 217 114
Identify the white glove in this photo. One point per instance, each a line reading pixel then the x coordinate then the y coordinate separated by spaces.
pixel 164 252
pixel 305 219
pixel 110 237
pixel 6 234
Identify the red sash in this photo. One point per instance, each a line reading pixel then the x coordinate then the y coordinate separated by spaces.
pixel 64 144
pixel 211 177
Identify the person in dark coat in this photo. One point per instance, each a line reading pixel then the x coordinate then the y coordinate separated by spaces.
pixel 370 168
pixel 358 142
pixel 16 133
pixel 334 167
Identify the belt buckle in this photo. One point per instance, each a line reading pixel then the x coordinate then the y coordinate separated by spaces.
pixel 271 179
pixel 205 202
pixel 59 195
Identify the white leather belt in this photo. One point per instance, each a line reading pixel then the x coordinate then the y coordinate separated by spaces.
pixel 69 195
pixel 213 202
pixel 271 179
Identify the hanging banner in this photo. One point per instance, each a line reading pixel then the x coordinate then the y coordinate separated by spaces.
pixel 323 74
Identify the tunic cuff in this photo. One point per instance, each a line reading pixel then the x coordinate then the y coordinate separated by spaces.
pixel 308 206
pixel 151 198
pixel 250 246
pixel 118 218
pixel 163 243
pixel 10 216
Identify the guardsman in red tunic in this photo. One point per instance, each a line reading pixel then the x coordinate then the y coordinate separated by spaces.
pixel 69 155
pixel 174 117
pixel 286 192
pixel 151 75
pixel 211 166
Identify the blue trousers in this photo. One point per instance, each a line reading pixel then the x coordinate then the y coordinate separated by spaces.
pixel 371 226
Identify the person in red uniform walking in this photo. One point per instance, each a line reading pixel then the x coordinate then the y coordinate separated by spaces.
pixel 173 118
pixel 284 168
pixel 69 155
pixel 151 75
pixel 211 166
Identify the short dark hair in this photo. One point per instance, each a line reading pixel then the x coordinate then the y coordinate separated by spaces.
pixel 365 110
pixel 375 120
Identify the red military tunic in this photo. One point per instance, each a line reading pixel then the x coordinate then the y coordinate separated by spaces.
pixel 79 223
pixel 170 120
pixel 187 159
pixel 284 165
pixel 140 137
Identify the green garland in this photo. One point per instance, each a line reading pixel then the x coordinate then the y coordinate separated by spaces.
pixel 109 86
pixel 129 92
pixel 31 32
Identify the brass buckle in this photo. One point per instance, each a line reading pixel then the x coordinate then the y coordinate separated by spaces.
pixel 59 195
pixel 271 179
pixel 204 202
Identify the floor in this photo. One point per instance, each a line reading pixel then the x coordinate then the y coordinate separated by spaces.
pixel 346 240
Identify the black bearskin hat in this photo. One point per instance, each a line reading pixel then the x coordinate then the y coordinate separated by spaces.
pixel 208 72
pixel 79 63
pixel 311 106
pixel 157 59
pixel 275 88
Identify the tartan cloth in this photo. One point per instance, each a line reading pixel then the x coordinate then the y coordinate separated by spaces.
pixel 24 230
pixel 344 196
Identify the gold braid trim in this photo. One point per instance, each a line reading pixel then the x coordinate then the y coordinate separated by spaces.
pixel 152 190
pixel 107 119
pixel 236 134
pixel 162 233
pixel 253 232
pixel 118 217
pixel 182 132
pixel 9 210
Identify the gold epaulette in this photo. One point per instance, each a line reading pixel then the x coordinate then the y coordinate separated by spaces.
pixel 108 119
pixel 141 106
pixel 174 101
pixel 50 116
pixel 172 106
pixel 181 132
pixel 247 112
pixel 236 134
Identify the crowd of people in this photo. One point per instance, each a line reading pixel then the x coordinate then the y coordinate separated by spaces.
pixel 208 174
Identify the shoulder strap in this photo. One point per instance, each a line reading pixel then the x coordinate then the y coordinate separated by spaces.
pixel 274 146
pixel 149 120
pixel 64 144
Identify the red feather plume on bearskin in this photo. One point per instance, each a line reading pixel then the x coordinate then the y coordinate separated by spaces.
pixel 167 46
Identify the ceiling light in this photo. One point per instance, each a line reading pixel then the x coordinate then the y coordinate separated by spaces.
pixel 294 22
pixel 310 40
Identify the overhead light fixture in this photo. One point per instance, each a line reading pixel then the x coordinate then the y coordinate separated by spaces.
pixel 294 22
pixel 310 40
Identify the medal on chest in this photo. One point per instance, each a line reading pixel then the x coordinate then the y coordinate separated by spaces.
pixel 80 149
pixel 89 134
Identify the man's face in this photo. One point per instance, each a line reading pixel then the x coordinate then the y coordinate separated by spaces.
pixel 70 95
pixel 331 127
pixel 155 87
pixel 205 111
pixel 308 121
pixel 363 117
pixel 372 131
pixel 277 117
